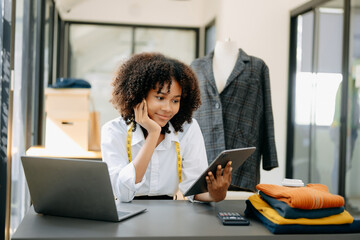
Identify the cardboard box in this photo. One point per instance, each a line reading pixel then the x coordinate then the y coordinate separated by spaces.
pixel 70 103
pixel 67 119
pixel 69 135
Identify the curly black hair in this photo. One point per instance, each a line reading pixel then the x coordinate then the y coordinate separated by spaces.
pixel 141 73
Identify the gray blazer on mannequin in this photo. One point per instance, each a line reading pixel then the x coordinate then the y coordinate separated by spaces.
pixel 241 116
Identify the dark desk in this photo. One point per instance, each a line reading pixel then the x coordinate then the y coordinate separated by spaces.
pixel 166 219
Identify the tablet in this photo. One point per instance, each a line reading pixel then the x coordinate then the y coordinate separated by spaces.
pixel 238 156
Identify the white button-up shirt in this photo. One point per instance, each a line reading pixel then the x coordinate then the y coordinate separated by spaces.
pixel 161 177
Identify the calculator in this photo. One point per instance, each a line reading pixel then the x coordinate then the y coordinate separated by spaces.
pixel 232 218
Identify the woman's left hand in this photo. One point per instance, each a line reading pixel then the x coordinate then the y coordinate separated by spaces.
pixel 219 184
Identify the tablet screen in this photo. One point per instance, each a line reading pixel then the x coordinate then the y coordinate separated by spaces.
pixel 237 156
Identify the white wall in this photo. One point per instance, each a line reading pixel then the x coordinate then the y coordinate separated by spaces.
pixel 261 28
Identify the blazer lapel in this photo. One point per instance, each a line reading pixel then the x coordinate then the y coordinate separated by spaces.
pixel 208 70
pixel 238 68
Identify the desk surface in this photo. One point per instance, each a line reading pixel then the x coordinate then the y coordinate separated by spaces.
pixel 163 219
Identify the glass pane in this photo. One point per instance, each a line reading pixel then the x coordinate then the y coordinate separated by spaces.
pixel 318 96
pixel 48 32
pixel 179 44
pixel 327 96
pixel 210 38
pixel 96 51
pixel 352 191
pixel 303 88
pixel 25 38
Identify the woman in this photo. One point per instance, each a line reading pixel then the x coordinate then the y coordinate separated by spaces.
pixel 155 148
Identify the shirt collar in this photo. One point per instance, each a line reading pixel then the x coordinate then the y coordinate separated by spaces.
pixel 171 137
pixel 137 136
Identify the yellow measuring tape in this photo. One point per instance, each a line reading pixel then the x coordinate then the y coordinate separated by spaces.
pixel 177 148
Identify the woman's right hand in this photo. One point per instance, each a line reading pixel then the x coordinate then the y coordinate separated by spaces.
pixel 142 118
pixel 143 158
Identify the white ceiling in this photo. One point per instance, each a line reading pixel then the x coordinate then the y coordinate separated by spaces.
pixel 150 12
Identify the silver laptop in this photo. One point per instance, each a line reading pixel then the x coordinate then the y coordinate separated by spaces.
pixel 74 188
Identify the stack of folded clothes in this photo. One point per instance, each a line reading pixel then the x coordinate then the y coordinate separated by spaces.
pixel 310 209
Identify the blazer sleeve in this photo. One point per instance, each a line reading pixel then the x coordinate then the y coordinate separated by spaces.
pixel 268 149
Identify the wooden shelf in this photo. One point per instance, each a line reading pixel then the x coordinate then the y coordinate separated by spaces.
pixel 41 151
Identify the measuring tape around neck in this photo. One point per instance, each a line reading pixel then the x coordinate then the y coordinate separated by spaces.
pixel 177 148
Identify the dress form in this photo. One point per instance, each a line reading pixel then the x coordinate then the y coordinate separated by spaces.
pixel 225 56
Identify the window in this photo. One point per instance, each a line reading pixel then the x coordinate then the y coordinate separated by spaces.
pixel 96 50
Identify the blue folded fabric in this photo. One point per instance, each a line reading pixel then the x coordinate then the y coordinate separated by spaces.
pixel 286 211
pixel 70 83
pixel 251 211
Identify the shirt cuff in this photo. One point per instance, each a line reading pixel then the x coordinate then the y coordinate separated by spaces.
pixel 127 187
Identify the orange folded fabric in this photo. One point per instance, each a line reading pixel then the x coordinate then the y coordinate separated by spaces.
pixel 313 196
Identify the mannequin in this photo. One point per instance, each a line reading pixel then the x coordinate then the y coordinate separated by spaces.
pixel 225 56
pixel 238 115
